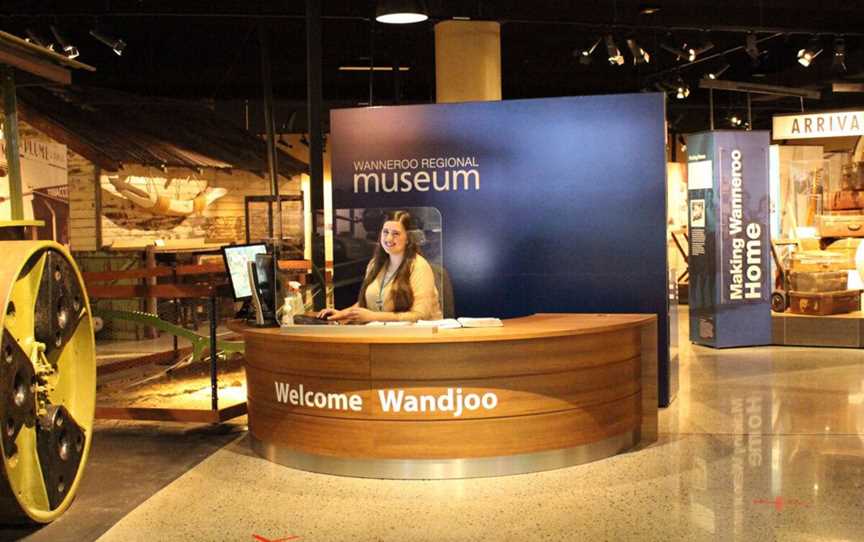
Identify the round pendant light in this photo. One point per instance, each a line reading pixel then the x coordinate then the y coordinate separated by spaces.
pixel 400 12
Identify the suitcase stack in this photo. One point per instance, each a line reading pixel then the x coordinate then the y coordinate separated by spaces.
pixel 846 248
pixel 844 209
pixel 818 279
pixel 821 293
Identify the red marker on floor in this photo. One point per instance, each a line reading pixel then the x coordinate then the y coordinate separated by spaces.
pixel 260 538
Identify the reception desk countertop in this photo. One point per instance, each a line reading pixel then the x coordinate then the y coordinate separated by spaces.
pixel 541 392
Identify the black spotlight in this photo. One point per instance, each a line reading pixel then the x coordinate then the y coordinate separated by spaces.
pixel 809 53
pixel 70 50
pixel 751 47
pixel 695 51
pixel 679 52
pixel 116 44
pixel 615 56
pixel 584 55
pixel 37 39
pixel 720 70
pixel 640 55
pixel 839 63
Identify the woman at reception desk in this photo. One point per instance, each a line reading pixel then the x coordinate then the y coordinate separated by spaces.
pixel 399 284
pixel 540 392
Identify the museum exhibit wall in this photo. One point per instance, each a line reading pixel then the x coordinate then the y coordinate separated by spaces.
pixel 547 205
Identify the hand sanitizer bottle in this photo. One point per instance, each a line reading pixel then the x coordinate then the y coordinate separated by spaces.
pixel 296 299
pixel 288 311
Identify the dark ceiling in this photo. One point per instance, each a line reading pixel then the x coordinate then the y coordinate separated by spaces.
pixel 210 50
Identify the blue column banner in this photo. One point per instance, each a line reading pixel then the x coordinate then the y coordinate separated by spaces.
pixel 549 205
pixel 744 231
pixel 729 238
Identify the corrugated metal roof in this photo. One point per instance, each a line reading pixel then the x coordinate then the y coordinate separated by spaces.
pixel 112 129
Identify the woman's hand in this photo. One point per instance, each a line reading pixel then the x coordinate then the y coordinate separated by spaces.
pixel 353 315
pixel 328 314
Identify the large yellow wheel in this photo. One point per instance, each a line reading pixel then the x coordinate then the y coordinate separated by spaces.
pixel 47 380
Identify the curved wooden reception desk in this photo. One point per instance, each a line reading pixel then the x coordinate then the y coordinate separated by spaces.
pixel 541 392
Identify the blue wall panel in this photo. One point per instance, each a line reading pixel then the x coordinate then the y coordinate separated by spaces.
pixel 570 214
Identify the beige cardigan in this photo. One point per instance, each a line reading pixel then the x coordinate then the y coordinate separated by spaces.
pixel 426 304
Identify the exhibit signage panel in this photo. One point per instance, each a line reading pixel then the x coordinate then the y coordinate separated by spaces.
pixel 549 205
pixel 830 124
pixel 729 238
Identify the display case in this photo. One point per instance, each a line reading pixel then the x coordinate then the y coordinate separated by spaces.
pixel 808 179
pixel 819 199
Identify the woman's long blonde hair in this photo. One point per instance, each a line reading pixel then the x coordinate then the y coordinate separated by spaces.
pixel 400 288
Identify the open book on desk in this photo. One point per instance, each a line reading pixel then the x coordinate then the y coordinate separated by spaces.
pixel 451 323
pixel 480 322
pixel 446 323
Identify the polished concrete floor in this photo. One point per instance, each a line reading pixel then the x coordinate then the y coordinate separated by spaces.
pixel 760 444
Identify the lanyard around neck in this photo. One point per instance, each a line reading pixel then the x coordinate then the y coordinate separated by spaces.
pixel 385 280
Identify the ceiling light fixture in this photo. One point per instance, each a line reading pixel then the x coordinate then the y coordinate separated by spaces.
pixel 640 55
pixel 649 9
pixel 37 39
pixel 751 47
pixel 359 68
pixel 809 53
pixel 721 69
pixel 694 52
pixel 615 56
pixel 682 89
pixel 839 63
pixel 585 54
pixel 664 86
pixel 116 44
pixel 680 54
pixel 70 50
pixel 401 12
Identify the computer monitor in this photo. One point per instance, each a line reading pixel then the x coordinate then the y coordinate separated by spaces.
pixel 237 258
pixel 264 287
pixel 265 281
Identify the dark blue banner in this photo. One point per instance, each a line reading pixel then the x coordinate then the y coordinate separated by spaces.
pixel 550 205
pixel 729 238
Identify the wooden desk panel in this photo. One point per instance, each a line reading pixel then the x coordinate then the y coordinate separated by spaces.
pixel 320 359
pixel 502 358
pixel 516 395
pixel 445 439
pixel 560 382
